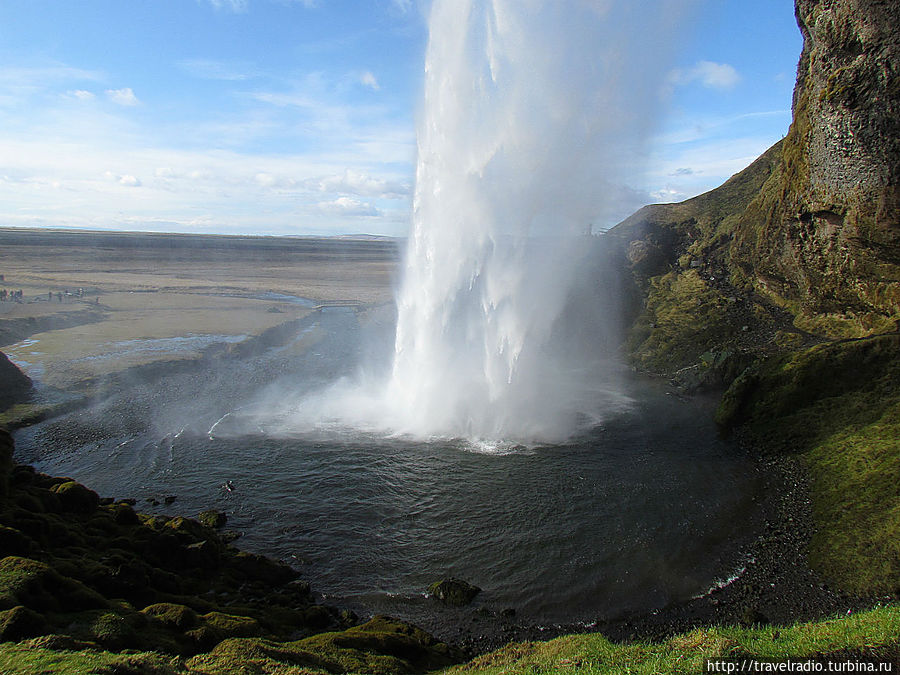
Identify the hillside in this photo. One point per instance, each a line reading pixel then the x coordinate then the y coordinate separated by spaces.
pixel 783 285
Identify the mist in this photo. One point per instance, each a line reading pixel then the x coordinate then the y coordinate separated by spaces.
pixel 535 117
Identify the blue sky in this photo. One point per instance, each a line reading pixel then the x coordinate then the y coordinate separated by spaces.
pixel 298 116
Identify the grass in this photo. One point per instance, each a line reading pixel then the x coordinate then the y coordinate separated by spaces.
pixel 872 634
pixel 838 405
pixel 25 659
pixel 875 634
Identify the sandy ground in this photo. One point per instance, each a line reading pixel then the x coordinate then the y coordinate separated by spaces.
pixel 162 297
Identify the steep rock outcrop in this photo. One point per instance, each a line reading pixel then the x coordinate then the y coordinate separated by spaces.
pixel 822 238
pixel 785 284
pixel 802 245
pixel 15 385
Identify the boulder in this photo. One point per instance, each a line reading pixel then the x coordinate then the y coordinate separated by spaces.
pixel 20 622
pixel 454 592
pixel 213 519
pixel 76 498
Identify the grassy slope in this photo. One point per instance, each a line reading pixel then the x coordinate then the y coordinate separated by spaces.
pixel 689 307
pixel 874 634
pixel 838 404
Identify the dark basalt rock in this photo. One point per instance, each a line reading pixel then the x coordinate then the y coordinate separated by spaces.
pixel 454 592
pixel 15 386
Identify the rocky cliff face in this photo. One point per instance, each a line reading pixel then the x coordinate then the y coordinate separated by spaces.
pixel 805 243
pixel 822 238
pixel 784 283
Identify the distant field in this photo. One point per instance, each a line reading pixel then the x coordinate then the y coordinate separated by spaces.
pixel 96 302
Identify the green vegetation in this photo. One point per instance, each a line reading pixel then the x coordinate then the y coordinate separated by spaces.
pixel 875 633
pixel 383 646
pixel 838 404
pixel 683 318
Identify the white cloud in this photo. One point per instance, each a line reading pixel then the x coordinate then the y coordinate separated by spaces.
pixel 83 95
pixel 367 79
pixel 124 96
pixel 311 155
pixel 361 184
pixel 347 206
pixel 19 84
pixel 127 180
pixel 711 75
pixel 668 195
pixel 402 5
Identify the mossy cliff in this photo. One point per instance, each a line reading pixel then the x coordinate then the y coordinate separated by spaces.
pixel 783 287
pixel 91 575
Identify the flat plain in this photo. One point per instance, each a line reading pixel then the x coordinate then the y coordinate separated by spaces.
pixel 94 303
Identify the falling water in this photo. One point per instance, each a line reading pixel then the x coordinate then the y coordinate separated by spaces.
pixel 534 110
pixel 535 117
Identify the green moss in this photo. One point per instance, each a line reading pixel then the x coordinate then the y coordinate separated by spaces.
pixel 838 405
pixel 857 487
pixel 213 519
pixel 37 586
pixel 114 631
pixel 230 625
pixel 172 615
pixel 684 317
pixel 20 622
pixel 258 656
pixel 23 659
pixel 76 498
pixel 13 542
pixel 380 647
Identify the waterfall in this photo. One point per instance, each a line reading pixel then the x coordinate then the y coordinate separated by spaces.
pixel 535 118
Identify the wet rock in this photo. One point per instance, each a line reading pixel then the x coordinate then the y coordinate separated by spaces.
pixel 454 592
pixel 257 567
pixel 213 519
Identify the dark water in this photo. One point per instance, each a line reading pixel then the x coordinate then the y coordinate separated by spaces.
pixel 646 511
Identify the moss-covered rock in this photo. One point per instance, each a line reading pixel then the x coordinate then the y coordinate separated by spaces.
pixel 14 542
pixel 114 631
pixel 380 647
pixel 218 626
pixel 76 498
pixel 173 615
pixel 20 622
pixel 39 587
pixel 213 519
pixel 454 592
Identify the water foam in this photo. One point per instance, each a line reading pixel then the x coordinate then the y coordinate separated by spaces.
pixel 535 110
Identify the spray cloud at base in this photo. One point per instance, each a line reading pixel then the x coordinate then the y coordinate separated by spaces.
pixel 535 113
